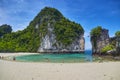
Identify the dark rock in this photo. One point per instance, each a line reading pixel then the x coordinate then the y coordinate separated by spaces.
pixel 111 51
pixel 117 58
pixel 118 45
pixel 101 41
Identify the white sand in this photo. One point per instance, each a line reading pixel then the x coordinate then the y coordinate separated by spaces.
pixel 11 70
pixel 15 54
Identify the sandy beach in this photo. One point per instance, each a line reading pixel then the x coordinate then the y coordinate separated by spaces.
pixel 12 70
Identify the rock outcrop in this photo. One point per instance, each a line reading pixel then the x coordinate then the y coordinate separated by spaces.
pixel 49 42
pixel 118 45
pixel 100 41
pixel 102 44
pixel 49 31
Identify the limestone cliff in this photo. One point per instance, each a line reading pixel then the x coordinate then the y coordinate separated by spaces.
pixel 118 45
pixel 99 39
pixel 49 31
pixel 50 44
pixel 60 34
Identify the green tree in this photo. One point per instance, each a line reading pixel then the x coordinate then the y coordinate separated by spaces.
pixel 66 31
pixel 96 31
pixel 5 29
pixel 117 34
pixel 107 48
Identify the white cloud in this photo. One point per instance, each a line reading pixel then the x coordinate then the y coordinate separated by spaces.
pixel 19 13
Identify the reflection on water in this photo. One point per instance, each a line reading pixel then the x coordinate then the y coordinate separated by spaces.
pixel 88 54
pixel 81 57
pixel 89 58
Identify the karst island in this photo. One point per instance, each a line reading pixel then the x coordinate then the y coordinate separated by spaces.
pixel 59 40
pixel 49 32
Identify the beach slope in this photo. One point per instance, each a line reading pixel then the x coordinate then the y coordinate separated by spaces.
pixel 12 70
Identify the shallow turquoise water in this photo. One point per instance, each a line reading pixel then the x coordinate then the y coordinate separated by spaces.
pixel 56 58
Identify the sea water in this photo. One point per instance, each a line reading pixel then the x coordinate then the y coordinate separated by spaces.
pixel 57 58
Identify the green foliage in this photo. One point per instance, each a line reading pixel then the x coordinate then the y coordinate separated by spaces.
pixel 43 29
pixel 47 14
pixel 20 41
pixel 5 29
pixel 107 48
pixel 96 31
pixel 117 34
pixel 51 12
pixel 67 31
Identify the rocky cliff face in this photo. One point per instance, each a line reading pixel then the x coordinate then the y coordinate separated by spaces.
pixel 50 44
pixel 118 45
pixel 60 34
pixel 98 42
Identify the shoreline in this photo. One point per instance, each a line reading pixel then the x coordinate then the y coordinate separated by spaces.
pixel 16 70
pixel 96 59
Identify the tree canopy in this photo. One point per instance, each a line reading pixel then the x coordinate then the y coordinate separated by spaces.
pixel 96 31
pixel 107 48
pixel 5 29
pixel 117 34
pixel 67 31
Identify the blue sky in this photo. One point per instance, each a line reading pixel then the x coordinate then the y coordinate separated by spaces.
pixel 89 13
